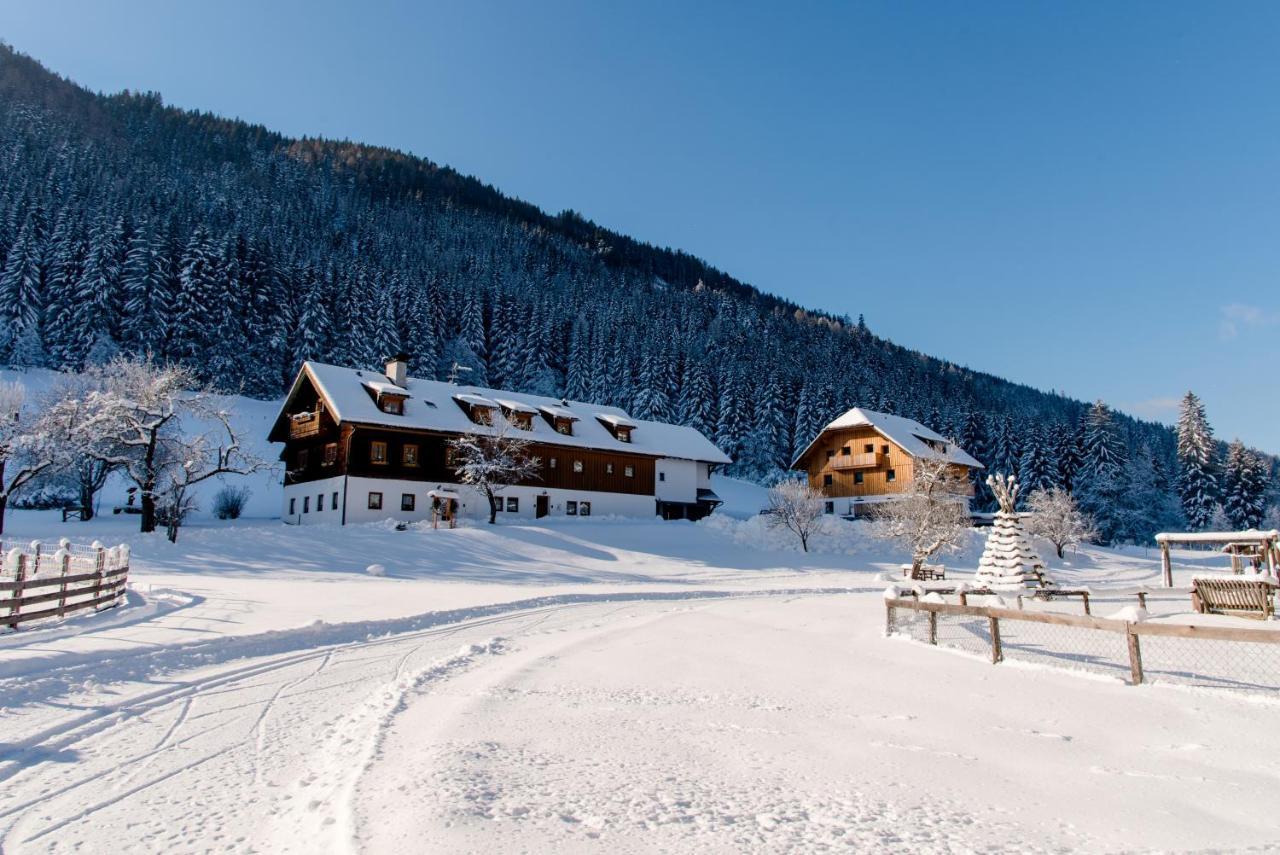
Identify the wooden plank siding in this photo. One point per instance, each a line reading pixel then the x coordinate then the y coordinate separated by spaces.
pixel 875 479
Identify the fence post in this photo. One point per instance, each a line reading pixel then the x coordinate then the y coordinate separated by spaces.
pixel 997 654
pixel 890 619
pixel 101 571
pixel 1085 596
pixel 1142 599
pixel 123 552
pixel 1135 654
pixel 19 562
pixel 933 627
pixel 62 591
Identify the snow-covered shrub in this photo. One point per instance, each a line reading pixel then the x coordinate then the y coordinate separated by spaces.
pixel 796 507
pixel 229 503
pixel 376 570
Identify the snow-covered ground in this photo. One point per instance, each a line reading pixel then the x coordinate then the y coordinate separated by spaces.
pixel 585 685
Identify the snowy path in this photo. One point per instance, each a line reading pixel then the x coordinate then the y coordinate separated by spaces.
pixel 256 751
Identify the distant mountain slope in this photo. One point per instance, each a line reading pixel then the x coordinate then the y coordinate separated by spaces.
pixel 129 225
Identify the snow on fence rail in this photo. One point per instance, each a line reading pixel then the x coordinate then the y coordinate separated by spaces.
pixel 1139 651
pixel 58 580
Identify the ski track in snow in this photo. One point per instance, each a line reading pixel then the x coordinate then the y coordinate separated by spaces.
pixel 102 766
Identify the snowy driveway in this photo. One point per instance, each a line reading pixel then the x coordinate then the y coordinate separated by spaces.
pixel 766 723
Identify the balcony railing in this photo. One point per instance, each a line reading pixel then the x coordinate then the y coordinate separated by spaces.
pixel 858 461
pixel 304 425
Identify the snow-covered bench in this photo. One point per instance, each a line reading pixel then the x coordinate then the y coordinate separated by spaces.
pixel 926 572
pixel 1254 598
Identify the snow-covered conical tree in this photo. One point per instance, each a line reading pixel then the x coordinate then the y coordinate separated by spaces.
pixel 1009 561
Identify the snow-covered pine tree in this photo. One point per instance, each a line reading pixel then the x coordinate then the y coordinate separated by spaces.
pixel 1036 471
pixel 1197 480
pixel 1100 484
pixel 1244 487
pixel 21 297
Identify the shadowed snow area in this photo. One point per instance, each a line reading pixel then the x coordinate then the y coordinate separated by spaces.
pixel 597 685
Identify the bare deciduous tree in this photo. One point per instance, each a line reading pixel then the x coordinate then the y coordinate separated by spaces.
pixel 1057 518
pixel 797 507
pixel 931 517
pixel 29 444
pixel 493 461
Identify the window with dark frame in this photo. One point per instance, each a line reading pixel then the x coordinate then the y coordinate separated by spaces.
pixel 629 471
pixel 513 505
pixel 409 455
pixel 407 501
pixel 831 452
pixel 306 504
pixel 571 509
pixel 564 426
pixel 891 475
pixel 320 503
pixel 846 451
pixel 829 507
pixel 375 501
pixel 869 448
pixel 584 509
pixel 293 506
pixel 577 466
pixel 378 452
pixel 624 434
pixel 826 480
pixel 884 449
pixel 303 455
pixel 857 477
pixel 330 453
pixel 333 500
pixel 608 469
pixel 662 476
pixel 393 405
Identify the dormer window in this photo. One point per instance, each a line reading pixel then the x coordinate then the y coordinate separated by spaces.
pixel 388 397
pixel 517 414
pixel 393 404
pixel 478 408
pixel 618 425
pixel 560 418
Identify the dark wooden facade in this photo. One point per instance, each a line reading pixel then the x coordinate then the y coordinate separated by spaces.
pixel 317 447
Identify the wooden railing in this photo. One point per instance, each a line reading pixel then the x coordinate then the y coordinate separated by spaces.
pixel 869 460
pixel 61 580
pixel 304 425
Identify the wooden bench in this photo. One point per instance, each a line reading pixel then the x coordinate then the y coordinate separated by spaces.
pixel 1253 598
pixel 927 572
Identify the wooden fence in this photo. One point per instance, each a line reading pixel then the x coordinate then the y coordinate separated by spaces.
pixel 1133 632
pixel 42 582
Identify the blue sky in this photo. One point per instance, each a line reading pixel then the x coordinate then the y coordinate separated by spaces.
pixel 1081 197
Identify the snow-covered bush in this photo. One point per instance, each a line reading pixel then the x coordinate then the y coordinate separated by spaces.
pixel 229 503
pixel 797 507
pixel 1056 518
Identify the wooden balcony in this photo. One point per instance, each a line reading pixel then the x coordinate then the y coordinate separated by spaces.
pixel 303 425
pixel 857 461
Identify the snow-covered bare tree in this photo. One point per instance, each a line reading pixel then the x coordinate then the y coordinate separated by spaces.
pixel 165 432
pixel 1056 517
pixel 492 461
pixel 29 446
pixel 931 517
pixel 797 507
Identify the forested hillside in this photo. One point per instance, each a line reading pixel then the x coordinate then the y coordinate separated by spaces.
pixel 126 225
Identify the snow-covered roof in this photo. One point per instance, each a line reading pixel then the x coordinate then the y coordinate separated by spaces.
pixel 558 411
pixel 911 436
pixel 1250 536
pixel 348 402
pixel 473 400
pixel 516 406
pixel 385 387
pixel 618 421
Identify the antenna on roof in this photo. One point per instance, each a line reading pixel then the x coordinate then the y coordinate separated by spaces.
pixel 454 371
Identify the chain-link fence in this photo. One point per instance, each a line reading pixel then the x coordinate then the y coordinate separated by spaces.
pixel 1219 656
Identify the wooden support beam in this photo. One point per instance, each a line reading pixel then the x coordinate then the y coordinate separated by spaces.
pixel 1166 567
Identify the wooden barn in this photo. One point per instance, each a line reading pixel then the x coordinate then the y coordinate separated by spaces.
pixel 865 457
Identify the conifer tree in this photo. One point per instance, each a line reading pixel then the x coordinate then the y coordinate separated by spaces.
pixel 1197 480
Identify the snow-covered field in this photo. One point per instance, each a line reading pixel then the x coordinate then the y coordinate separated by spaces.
pixel 598 685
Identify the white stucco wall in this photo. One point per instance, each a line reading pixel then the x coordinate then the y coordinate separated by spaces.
pixel 474 505
pixel 676 480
